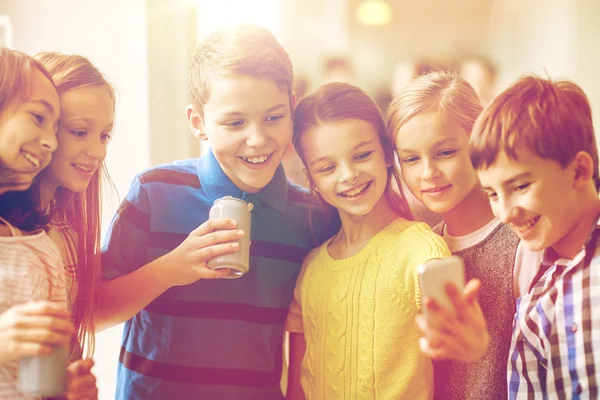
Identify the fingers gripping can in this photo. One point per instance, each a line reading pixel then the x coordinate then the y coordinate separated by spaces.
pixel 238 210
pixel 44 376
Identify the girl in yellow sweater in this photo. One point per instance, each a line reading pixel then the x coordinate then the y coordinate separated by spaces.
pixel 352 321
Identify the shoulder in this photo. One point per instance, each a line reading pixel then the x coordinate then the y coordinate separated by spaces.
pixel 416 239
pixel 183 172
pixel 312 255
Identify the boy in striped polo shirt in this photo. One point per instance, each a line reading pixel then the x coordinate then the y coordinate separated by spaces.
pixel 535 152
pixel 189 335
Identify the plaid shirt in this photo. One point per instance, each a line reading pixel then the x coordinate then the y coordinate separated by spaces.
pixel 556 330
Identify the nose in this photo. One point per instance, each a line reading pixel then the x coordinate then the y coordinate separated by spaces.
pixel 48 140
pixel 430 171
pixel 505 211
pixel 348 174
pixel 96 150
pixel 256 136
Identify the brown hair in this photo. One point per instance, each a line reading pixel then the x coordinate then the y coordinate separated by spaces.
pixel 436 91
pixel 552 118
pixel 81 211
pixel 241 50
pixel 15 74
pixel 338 101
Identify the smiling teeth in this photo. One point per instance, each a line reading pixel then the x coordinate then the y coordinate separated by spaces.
pixel 256 160
pixel 356 191
pixel 81 167
pixel 527 225
pixel 31 159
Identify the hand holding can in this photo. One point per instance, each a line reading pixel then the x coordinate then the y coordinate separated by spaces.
pixel 237 262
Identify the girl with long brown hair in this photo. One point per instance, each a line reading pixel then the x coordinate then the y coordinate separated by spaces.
pixel 351 323
pixel 69 189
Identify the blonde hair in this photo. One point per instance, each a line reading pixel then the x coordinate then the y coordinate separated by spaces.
pixel 81 211
pixel 552 118
pixel 439 91
pixel 15 75
pixel 334 102
pixel 240 50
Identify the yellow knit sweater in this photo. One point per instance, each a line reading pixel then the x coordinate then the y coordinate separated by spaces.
pixel 358 317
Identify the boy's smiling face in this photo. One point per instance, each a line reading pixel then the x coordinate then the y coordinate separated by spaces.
pixel 536 197
pixel 248 124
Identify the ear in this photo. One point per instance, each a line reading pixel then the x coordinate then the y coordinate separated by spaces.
pixel 583 166
pixel 195 123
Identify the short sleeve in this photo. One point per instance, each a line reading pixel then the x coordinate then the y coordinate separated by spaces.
pixel 126 241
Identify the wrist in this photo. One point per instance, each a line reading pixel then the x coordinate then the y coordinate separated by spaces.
pixel 159 272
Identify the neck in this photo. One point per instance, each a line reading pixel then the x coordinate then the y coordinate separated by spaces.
pixel 572 242
pixel 47 191
pixel 358 230
pixel 473 213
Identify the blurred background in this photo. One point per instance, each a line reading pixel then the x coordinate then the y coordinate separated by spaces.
pixel 145 47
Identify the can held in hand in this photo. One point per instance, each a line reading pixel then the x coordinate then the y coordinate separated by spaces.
pixel 44 376
pixel 238 210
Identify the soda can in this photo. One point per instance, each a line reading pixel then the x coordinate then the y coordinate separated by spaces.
pixel 238 210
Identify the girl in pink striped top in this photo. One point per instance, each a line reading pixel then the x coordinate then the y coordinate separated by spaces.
pixel 33 302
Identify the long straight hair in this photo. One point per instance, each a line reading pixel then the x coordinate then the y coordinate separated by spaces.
pixel 81 211
pixel 336 102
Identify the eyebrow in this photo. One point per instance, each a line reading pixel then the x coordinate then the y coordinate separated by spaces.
pixel 437 144
pixel 43 102
pixel 90 121
pixel 358 146
pixel 237 113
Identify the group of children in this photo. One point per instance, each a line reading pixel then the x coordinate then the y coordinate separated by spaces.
pixel 337 266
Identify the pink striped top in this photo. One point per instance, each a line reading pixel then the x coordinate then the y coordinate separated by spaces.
pixel 30 270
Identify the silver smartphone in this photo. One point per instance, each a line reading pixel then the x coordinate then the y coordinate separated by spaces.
pixel 434 275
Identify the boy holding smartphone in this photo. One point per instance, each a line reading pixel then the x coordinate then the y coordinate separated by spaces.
pixel 535 153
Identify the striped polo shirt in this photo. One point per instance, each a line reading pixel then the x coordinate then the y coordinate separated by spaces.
pixel 213 339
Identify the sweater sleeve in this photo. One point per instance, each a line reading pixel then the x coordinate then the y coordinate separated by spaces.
pixel 431 246
pixel 294 319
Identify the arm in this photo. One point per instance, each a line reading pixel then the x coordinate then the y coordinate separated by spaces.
pixel 123 297
pixel 297 350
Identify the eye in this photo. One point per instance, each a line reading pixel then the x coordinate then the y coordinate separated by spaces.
pixel 447 153
pixel 522 187
pixel 326 169
pixel 105 137
pixel 274 118
pixel 409 160
pixel 363 156
pixel 79 133
pixel 39 118
pixel 491 195
pixel 235 124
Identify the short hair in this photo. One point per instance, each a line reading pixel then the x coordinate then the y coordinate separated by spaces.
pixel 553 118
pixel 335 102
pixel 15 75
pixel 239 50
pixel 440 91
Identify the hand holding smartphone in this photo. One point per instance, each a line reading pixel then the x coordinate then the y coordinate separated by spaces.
pixel 434 275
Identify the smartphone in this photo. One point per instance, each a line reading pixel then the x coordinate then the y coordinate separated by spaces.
pixel 434 275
